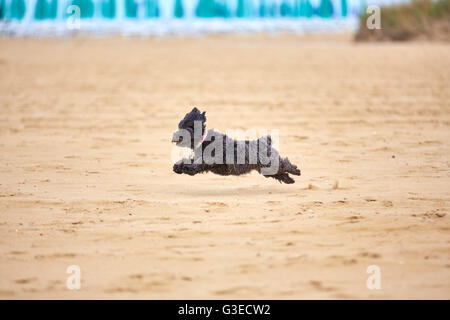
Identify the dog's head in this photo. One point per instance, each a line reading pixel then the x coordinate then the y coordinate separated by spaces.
pixel 190 129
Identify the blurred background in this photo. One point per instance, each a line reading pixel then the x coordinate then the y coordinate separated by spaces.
pixel 157 17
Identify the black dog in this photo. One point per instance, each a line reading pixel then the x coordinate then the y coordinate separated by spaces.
pixel 216 152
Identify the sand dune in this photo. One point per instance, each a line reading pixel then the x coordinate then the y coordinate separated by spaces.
pixel 86 174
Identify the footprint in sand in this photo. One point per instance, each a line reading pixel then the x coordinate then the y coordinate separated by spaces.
pixel 319 286
pixel 387 203
pixel 17 252
pixel 430 214
pixel 354 219
pixel 25 281
pixel 217 204
pixel 138 282
pixel 235 290
pixel 55 255
pixel 273 202
pixel 370 255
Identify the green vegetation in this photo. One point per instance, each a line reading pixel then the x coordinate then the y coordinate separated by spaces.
pixel 420 19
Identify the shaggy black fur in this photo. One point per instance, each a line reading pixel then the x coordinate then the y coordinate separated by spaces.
pixel 195 165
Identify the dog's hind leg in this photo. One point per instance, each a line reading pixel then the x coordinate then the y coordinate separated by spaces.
pixel 288 167
pixel 285 167
pixel 193 169
pixel 282 177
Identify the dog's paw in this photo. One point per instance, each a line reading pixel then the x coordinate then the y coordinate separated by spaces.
pixel 178 167
pixel 189 170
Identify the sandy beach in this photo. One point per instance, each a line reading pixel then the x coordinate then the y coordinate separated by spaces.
pixel 86 169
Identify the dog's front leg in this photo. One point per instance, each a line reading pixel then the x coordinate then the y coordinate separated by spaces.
pixel 192 169
pixel 178 167
pixel 188 167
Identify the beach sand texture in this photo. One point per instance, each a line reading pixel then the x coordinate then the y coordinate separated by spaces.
pixel 86 169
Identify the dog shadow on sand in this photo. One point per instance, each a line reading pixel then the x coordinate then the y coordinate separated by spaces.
pixel 217 190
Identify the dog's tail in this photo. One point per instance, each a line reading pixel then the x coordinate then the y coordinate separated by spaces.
pixel 290 168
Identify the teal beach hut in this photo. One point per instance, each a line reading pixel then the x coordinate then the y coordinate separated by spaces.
pixel 86 7
pixel 17 9
pixel 152 8
pixel 108 9
pixel 178 10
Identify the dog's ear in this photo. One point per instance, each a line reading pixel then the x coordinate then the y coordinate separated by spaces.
pixel 204 115
pixel 195 110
